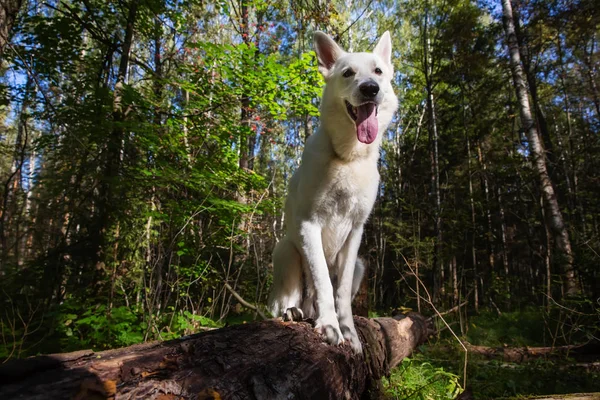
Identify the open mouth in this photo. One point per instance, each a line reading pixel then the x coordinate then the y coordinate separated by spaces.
pixel 353 111
pixel 365 119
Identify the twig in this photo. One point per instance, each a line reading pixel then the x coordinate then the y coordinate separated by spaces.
pixel 430 302
pixel 356 20
pixel 455 308
pixel 244 302
pixel 567 308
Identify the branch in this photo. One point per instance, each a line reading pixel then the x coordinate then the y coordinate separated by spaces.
pixel 244 302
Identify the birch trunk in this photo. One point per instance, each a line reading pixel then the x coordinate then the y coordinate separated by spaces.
pixel 554 215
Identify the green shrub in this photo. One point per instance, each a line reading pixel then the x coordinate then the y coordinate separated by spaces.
pixel 414 379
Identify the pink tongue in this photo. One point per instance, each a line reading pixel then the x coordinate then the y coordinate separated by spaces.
pixel 366 123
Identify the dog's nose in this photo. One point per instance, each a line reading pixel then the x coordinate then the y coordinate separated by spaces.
pixel 369 89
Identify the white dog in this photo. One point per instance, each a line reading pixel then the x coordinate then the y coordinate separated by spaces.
pixel 316 269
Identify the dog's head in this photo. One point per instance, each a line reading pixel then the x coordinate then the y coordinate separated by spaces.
pixel 360 83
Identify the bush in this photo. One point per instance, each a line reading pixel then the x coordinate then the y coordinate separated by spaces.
pixel 414 379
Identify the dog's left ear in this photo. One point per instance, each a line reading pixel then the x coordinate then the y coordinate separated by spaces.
pixel 384 49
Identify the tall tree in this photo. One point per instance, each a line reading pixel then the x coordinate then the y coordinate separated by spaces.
pixel 554 218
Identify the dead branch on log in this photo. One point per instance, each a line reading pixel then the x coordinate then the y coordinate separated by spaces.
pixel 262 360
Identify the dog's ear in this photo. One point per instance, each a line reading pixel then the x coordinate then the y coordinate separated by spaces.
pixel 384 49
pixel 327 52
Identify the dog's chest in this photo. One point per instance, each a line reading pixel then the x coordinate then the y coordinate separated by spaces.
pixel 349 192
pixel 346 200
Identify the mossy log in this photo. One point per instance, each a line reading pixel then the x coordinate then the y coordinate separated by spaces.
pixel 263 360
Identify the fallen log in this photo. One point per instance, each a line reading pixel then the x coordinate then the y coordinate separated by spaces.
pixel 572 396
pixel 521 354
pixel 263 360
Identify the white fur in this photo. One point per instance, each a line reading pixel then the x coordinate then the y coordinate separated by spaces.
pixel 331 195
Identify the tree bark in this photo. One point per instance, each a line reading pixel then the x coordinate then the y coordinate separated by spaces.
pixel 8 14
pixel 530 73
pixel 428 69
pixel 263 360
pixel 473 219
pixel 554 218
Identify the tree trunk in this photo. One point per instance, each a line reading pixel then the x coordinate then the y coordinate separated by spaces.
pixel 490 237
pixel 473 222
pixel 247 144
pixel 540 115
pixel 591 76
pixel 505 263
pixel 555 217
pixel 438 291
pixel 570 161
pixel 264 360
pixel 114 148
pixel 522 354
pixel 13 183
pixel 8 14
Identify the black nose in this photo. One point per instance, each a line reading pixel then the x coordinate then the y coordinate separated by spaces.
pixel 369 89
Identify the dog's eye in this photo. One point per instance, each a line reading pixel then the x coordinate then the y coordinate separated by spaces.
pixel 348 73
pixel 378 71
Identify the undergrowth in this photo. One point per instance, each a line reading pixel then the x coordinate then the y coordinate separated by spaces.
pixel 435 371
pixel 418 379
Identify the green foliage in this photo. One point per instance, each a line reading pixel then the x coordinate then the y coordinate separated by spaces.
pixel 495 379
pixel 420 380
pixel 524 328
pixel 491 379
pixel 141 213
pixel 121 227
pixel 100 328
pixel 535 326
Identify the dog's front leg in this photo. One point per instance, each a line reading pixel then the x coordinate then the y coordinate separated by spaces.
pixel 346 266
pixel 312 249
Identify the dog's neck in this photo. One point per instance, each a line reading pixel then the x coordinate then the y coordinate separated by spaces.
pixel 341 134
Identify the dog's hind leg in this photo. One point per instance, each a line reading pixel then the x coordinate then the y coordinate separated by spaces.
pixel 359 272
pixel 286 293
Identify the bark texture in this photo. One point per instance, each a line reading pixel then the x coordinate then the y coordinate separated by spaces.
pixel 554 216
pixel 9 9
pixel 263 360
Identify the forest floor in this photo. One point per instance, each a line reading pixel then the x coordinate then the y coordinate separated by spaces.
pixel 436 370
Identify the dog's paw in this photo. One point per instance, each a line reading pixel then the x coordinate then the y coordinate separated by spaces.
pixel 293 314
pixel 351 337
pixel 330 327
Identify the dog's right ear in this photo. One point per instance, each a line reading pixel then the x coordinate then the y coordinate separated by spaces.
pixel 327 52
